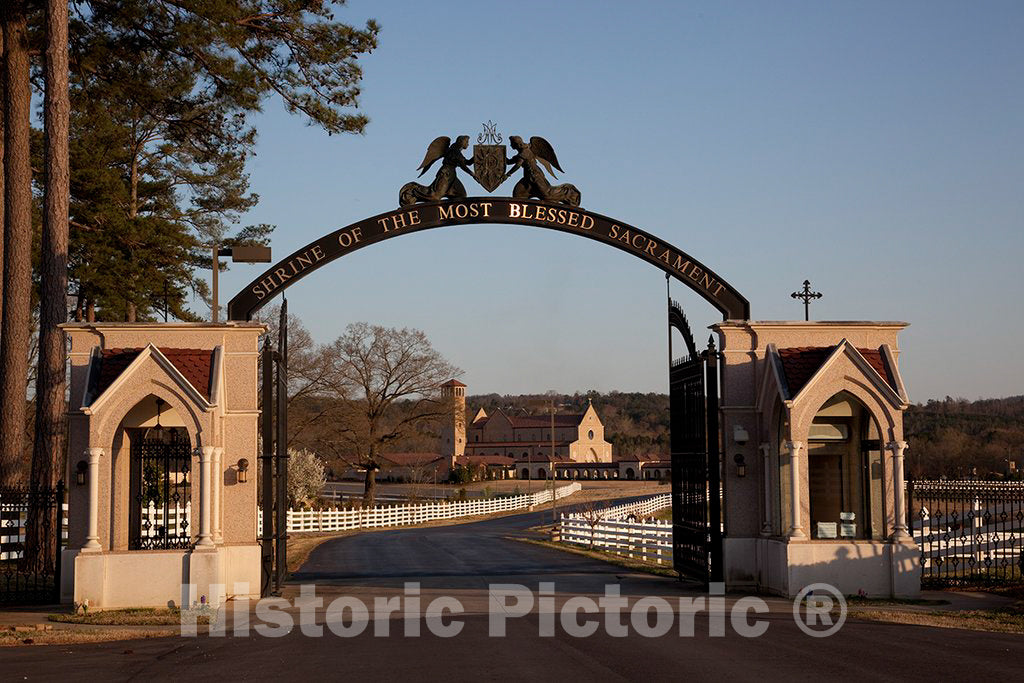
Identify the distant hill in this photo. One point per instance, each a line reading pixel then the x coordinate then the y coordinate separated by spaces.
pixel 948 438
pixel 954 436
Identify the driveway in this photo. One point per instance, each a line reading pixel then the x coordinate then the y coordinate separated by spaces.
pixel 459 564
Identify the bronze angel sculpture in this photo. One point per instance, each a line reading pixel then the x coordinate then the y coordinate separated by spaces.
pixel 534 183
pixel 446 183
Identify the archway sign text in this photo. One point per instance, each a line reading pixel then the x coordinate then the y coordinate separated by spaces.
pixel 542 214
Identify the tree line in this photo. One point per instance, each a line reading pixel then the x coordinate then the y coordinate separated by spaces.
pixel 956 438
pixel 139 167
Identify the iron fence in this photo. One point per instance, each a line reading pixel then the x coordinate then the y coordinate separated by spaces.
pixel 31 524
pixel 969 532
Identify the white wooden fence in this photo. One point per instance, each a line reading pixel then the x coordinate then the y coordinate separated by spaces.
pixel 341 519
pixel 12 531
pixel 639 508
pixel 611 530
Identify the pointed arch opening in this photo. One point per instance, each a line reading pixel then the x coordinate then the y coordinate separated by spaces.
pixel 153 464
pixel 844 471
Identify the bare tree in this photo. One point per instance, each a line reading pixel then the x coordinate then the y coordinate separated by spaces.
pixel 311 384
pixel 393 378
pixel 593 514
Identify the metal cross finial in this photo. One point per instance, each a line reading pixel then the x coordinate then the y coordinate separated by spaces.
pixel 807 295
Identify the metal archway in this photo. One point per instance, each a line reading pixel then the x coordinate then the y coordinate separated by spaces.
pixel 677 263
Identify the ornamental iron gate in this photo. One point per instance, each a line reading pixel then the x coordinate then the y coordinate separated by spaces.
pixel 31 537
pixel 969 532
pixel 696 480
pixel 274 455
pixel 160 479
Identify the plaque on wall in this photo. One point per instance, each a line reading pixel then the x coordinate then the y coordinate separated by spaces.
pixel 826 529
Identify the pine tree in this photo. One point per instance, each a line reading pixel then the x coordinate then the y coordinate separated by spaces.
pixel 161 94
pixel 53 270
pixel 17 291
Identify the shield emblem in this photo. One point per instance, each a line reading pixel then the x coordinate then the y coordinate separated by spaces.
pixel 489 165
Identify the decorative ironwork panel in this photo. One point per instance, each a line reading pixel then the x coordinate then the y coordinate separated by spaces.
pixel 690 537
pixel 694 443
pixel 161 514
pixel 32 528
pixel 969 532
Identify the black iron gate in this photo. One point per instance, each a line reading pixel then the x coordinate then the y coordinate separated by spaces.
pixel 696 484
pixel 31 538
pixel 274 437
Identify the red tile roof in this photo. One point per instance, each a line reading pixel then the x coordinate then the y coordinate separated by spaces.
pixel 800 363
pixel 196 365
pixel 485 460
pixel 411 459
pixel 535 421
pixel 453 383
pixel 877 361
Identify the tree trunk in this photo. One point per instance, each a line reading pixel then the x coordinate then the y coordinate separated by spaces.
pixel 48 450
pixel 370 490
pixel 47 454
pixel 17 242
pixel 3 81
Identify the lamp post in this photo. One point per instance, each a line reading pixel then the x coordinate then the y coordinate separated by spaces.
pixel 258 254
pixel 551 467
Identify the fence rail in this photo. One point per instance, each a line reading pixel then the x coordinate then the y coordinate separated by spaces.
pixel 969 532
pixel 611 529
pixel 341 519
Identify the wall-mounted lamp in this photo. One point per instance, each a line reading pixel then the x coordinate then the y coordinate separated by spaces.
pixel 243 471
pixel 80 469
pixel 741 466
pixel 739 435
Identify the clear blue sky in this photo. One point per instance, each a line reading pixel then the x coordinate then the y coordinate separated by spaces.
pixel 876 148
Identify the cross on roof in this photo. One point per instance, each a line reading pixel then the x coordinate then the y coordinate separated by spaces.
pixel 807 295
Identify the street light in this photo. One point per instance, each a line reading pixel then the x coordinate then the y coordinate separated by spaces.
pixel 258 254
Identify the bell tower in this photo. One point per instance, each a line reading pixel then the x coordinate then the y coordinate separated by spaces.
pixel 453 433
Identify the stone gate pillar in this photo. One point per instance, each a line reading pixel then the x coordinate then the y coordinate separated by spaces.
pixel 160 416
pixel 811 410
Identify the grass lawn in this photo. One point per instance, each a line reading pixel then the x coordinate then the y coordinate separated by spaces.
pixel 9 638
pixel 1010 620
pixel 664 515
pixel 132 616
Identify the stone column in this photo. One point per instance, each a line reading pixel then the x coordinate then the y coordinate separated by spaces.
pixel 218 490
pixel 205 458
pixel 898 484
pixel 92 539
pixel 766 473
pixel 796 529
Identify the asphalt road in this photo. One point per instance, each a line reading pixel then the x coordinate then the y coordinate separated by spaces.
pixel 461 562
